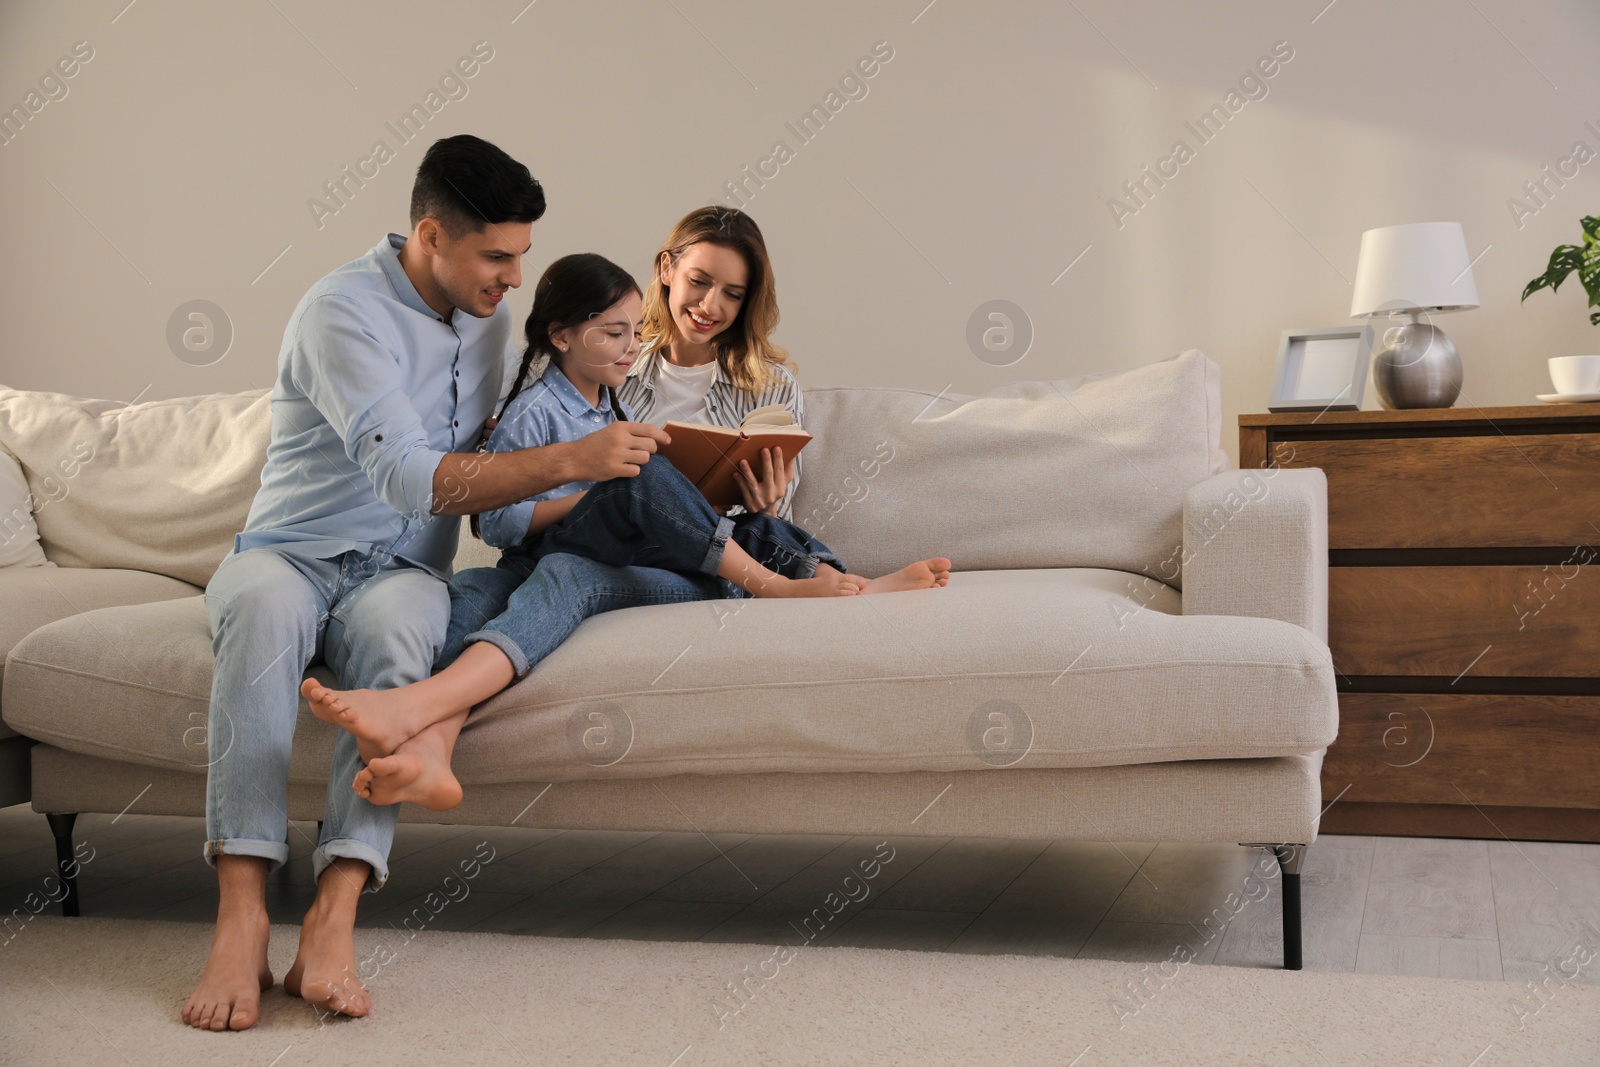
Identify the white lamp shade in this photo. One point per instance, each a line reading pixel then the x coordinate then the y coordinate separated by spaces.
pixel 1421 266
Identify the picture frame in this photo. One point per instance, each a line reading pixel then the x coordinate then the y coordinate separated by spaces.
pixel 1322 369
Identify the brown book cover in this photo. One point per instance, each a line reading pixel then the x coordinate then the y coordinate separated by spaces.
pixel 709 455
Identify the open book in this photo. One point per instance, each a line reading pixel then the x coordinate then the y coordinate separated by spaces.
pixel 709 455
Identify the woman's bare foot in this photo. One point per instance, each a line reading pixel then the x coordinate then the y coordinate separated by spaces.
pixel 824 583
pixel 923 574
pixel 324 970
pixel 381 720
pixel 228 996
pixel 418 773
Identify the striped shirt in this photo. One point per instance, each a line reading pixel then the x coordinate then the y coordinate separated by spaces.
pixel 726 405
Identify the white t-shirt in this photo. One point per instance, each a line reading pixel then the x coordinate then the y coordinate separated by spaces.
pixel 681 392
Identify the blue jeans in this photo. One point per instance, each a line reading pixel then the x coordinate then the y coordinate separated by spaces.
pixel 273 610
pixel 659 519
pixel 650 539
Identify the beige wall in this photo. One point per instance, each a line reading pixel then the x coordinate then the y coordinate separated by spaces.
pixel 180 162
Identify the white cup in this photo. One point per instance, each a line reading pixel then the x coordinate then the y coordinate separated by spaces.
pixel 1574 375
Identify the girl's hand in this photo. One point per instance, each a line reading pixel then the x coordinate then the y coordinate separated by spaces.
pixel 488 428
pixel 762 493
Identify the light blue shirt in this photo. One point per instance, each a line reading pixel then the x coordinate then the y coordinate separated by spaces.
pixel 374 388
pixel 549 410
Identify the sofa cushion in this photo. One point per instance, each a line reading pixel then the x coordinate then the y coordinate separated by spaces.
pixel 19 533
pixel 1041 668
pixel 161 486
pixel 472 552
pixel 1087 472
pixel 34 596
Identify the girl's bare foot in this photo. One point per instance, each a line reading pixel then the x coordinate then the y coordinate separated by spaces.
pixel 228 996
pixel 418 773
pixel 380 720
pixel 923 574
pixel 823 583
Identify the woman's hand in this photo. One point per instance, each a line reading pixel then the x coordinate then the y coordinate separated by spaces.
pixel 763 491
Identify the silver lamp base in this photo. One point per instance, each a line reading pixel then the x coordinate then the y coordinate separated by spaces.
pixel 1417 367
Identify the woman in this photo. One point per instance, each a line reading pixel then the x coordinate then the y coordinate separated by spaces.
pixel 708 316
pixel 710 305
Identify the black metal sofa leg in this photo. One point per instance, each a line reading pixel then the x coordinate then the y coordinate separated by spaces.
pixel 66 863
pixel 1289 857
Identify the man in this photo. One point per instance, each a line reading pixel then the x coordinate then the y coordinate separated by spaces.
pixel 389 368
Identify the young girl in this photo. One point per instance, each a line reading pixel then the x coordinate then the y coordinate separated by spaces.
pixel 585 322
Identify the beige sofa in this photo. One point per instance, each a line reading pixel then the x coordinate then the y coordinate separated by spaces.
pixel 1132 646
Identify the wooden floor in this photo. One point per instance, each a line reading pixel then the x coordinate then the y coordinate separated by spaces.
pixel 1499 910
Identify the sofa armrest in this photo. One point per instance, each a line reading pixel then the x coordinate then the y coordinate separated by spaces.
pixel 1255 542
pixel 31 597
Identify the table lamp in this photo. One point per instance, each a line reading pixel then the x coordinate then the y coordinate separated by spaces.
pixel 1416 269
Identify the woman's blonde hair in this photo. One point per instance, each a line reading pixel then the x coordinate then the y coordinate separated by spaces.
pixel 744 349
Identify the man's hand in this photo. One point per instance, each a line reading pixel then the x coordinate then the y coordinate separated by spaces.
pixel 618 451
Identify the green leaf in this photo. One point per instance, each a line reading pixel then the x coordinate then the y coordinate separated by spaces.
pixel 1589 270
pixel 1563 261
pixel 1585 259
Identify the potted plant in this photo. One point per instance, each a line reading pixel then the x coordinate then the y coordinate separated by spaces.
pixel 1584 258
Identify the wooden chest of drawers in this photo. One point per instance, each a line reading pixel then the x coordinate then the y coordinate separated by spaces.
pixel 1463 615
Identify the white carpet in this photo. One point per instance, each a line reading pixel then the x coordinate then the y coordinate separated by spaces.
pixel 107 991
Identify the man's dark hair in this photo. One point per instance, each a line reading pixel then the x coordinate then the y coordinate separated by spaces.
pixel 466 183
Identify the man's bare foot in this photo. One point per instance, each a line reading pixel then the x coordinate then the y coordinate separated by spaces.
pixel 324 970
pixel 417 774
pixel 381 720
pixel 923 574
pixel 228 996
pixel 824 583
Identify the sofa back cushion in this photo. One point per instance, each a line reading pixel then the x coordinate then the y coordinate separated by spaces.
pixel 161 486
pixel 19 533
pixel 1086 472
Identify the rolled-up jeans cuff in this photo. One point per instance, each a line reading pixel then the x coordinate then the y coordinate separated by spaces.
pixel 719 543
pixel 819 558
pixel 805 565
pixel 513 651
pixel 276 853
pixel 350 849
